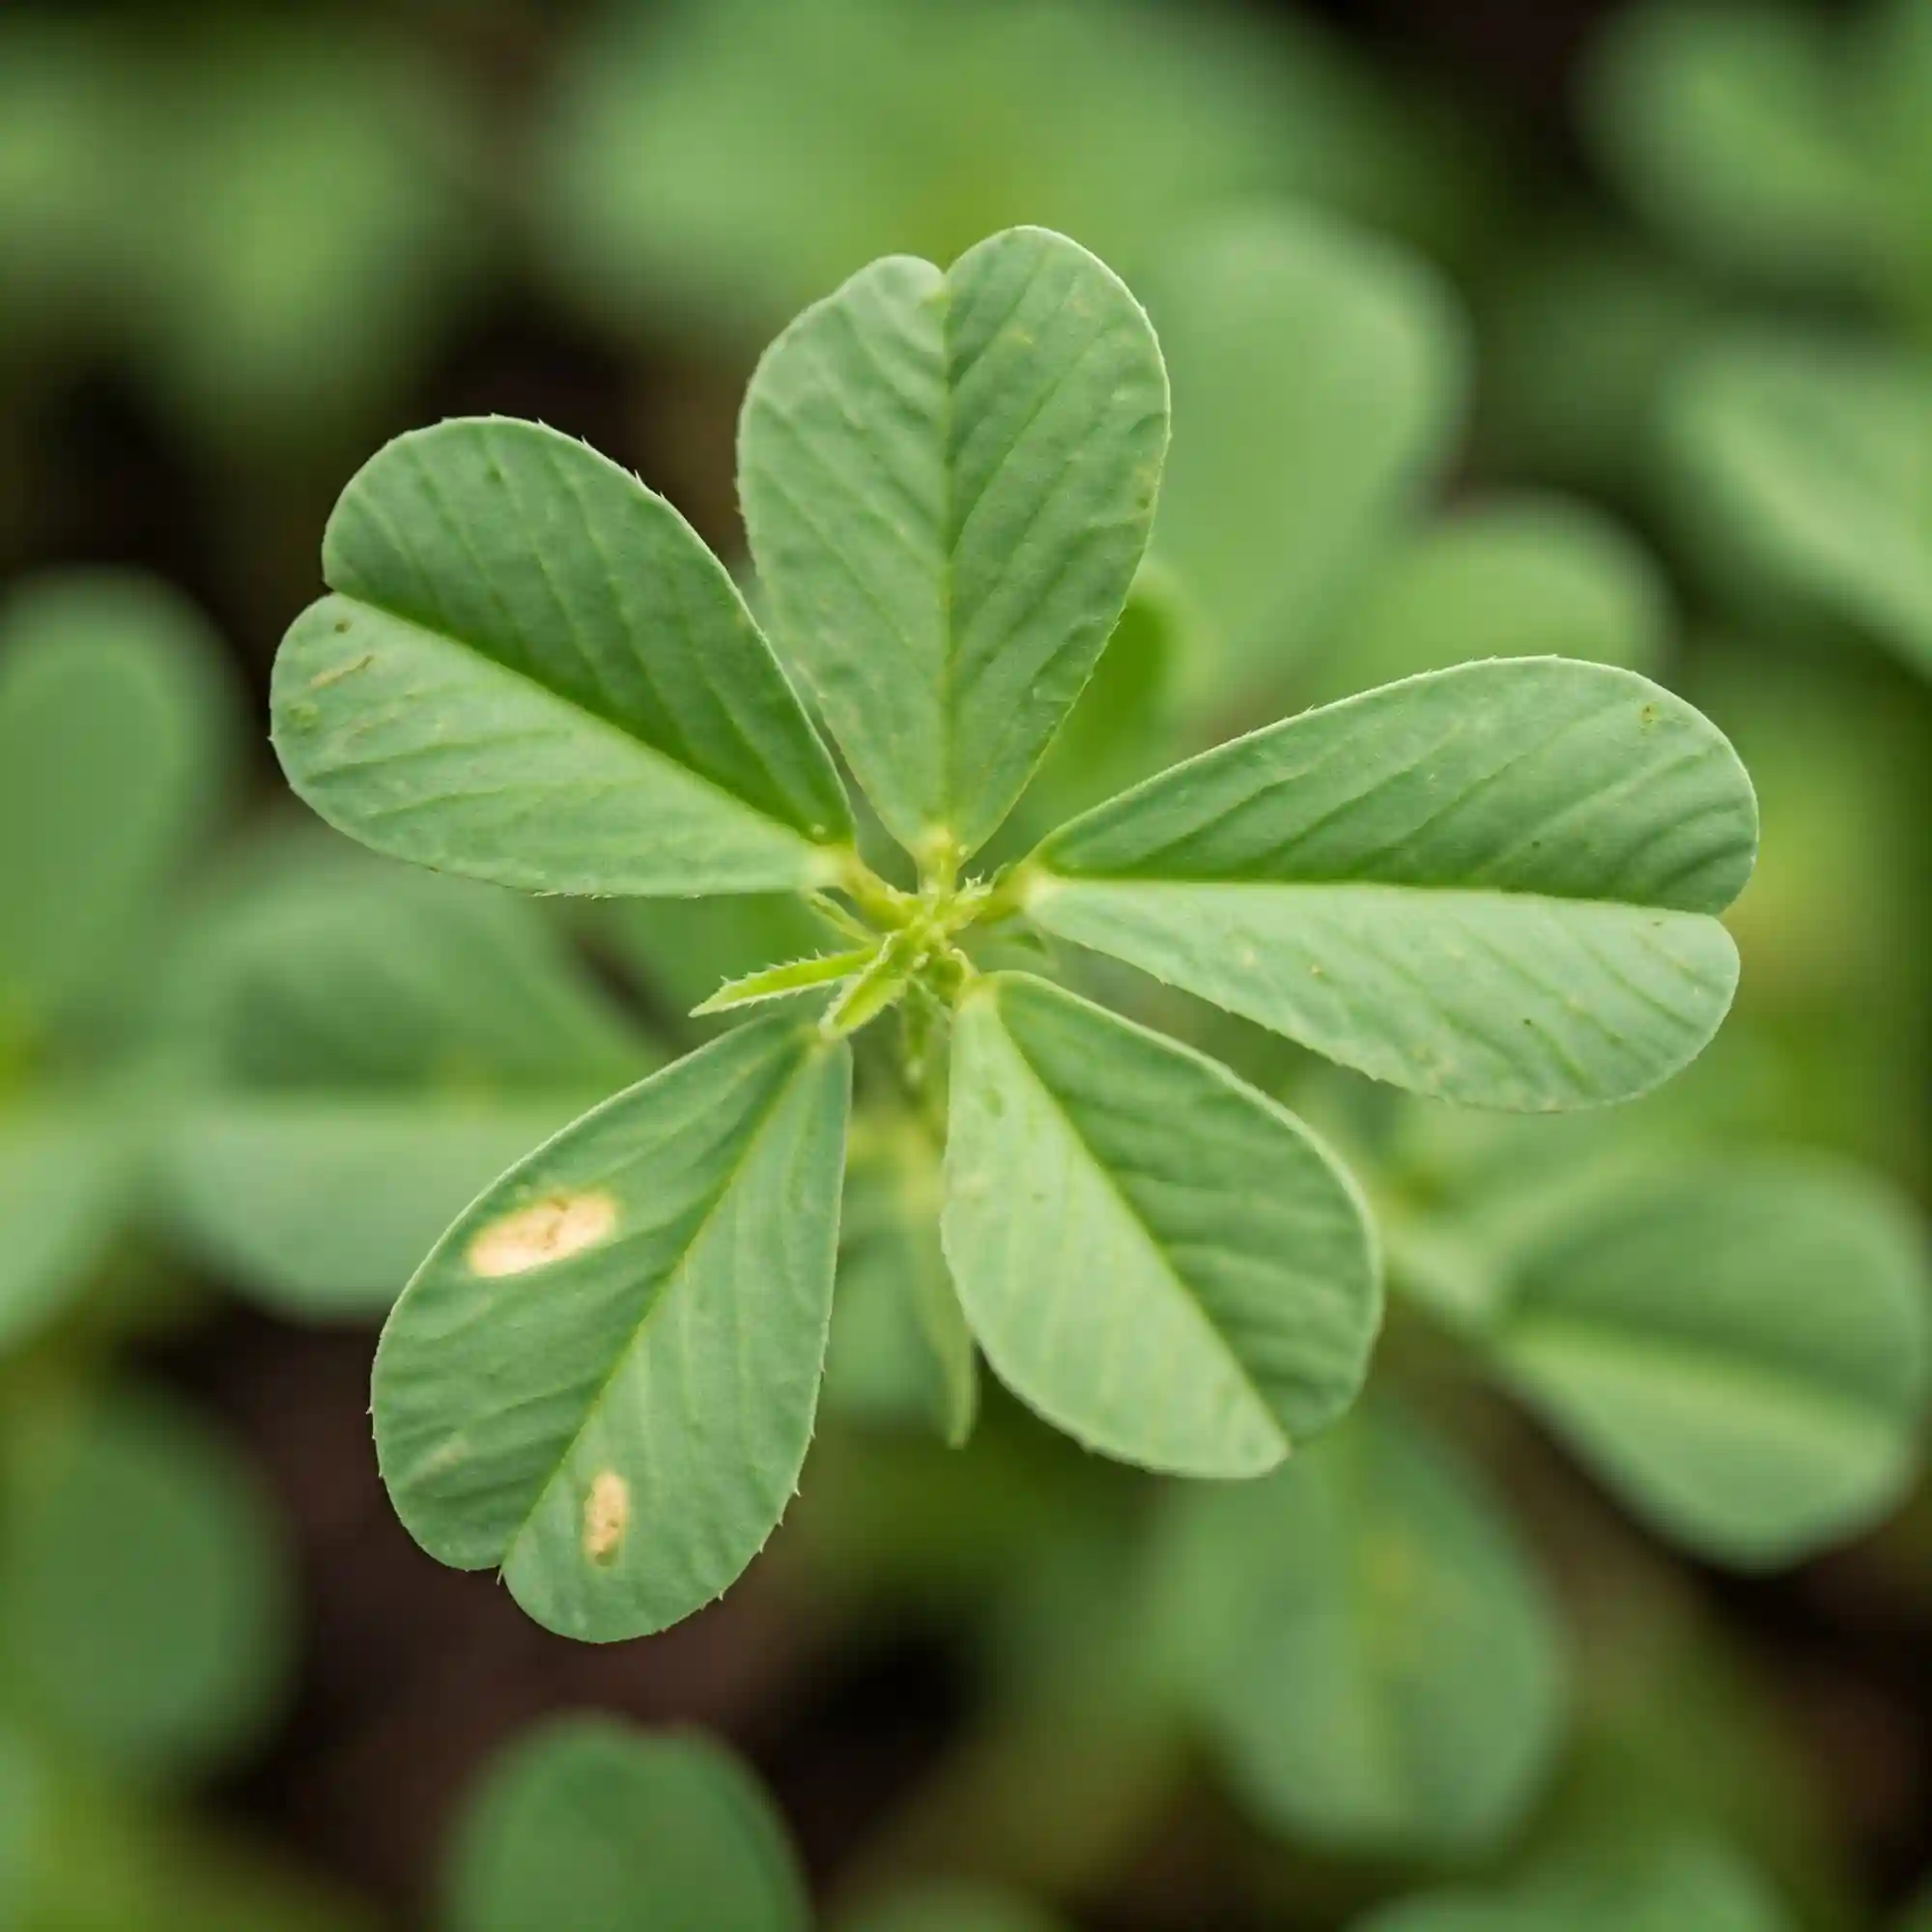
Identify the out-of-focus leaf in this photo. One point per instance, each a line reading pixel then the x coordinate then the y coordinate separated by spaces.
pixel 67 1176
pixel 1370 1651
pixel 143 1613
pixel 385 1043
pixel 112 722
pixel 724 161
pixel 1893 60
pixel 532 671
pixel 1002 423
pixel 299 229
pixel 602 1380
pixel 1740 1351
pixel 950 1908
pixel 22 1824
pixel 900 1350
pixel 1810 460
pixel 1318 380
pixel 1521 576
pixel 590 1823
pixel 1670 1885
pixel 1580 332
pixel 1682 1727
pixel 1160 1259
pixel 83 1854
pixel 65 115
pixel 1494 884
pixel 268 219
pixel 1731 126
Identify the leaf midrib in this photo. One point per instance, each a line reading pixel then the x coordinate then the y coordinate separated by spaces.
pixel 593 717
pixel 671 1280
pixel 1159 1249
pixel 1044 874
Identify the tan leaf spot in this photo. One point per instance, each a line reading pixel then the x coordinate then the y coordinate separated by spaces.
pixel 606 1512
pixel 545 1232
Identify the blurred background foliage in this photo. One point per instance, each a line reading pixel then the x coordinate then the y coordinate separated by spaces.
pixel 1591 328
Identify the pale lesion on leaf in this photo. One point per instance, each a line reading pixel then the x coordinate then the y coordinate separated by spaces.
pixel 607 1515
pixel 547 1231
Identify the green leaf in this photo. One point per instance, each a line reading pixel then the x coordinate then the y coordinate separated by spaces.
pixel 144 1618
pixel 387 1042
pixel 1730 129
pixel 1373 1656
pixel 1317 377
pixel 68 1174
pixel 1156 1257
pixel 533 671
pixel 64 94
pixel 1676 1883
pixel 794 976
pixel 588 1822
pixel 1521 576
pixel 950 1907
pixel 1493 884
pixel 1807 459
pixel 947 480
pixel 1893 50
pixel 603 1378
pixel 1740 1351
pixel 300 233
pixel 1918 1918
pixel 113 715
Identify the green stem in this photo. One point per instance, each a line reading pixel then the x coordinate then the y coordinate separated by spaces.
pixel 886 906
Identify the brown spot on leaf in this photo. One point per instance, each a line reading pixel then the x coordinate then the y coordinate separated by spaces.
pixel 547 1231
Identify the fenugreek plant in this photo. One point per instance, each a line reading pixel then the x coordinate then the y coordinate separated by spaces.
pixel 1495 884
pixel 589 1821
